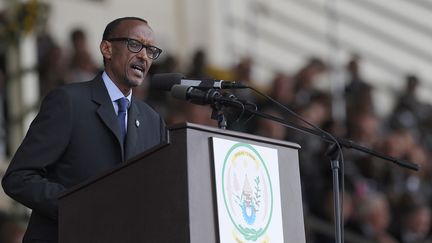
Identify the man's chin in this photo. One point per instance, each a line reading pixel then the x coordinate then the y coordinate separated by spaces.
pixel 135 82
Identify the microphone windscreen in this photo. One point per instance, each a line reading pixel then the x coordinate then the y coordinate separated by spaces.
pixel 165 81
pixel 179 91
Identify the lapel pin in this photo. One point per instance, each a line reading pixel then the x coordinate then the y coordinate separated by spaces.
pixel 137 123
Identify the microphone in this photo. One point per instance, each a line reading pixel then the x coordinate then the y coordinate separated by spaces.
pixel 203 97
pixel 165 81
pixel 193 95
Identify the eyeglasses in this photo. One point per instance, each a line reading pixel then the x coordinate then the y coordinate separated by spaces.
pixel 135 46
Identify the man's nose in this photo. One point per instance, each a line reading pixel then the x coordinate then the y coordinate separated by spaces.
pixel 143 54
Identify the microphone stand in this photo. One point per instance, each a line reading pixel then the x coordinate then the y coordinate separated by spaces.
pixel 332 153
pixel 218 101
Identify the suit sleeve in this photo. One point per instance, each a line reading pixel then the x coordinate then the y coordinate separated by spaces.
pixel 27 180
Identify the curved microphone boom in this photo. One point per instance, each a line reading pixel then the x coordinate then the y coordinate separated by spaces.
pixel 165 81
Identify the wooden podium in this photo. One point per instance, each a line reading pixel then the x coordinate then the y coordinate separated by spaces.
pixel 167 194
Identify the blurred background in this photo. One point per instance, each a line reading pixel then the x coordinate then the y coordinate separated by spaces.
pixel 360 69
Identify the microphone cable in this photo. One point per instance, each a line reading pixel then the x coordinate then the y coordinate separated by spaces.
pixel 244 103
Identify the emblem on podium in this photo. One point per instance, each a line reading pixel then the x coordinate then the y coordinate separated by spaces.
pixel 247 181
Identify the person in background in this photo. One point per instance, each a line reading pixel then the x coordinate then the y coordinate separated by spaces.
pixel 82 67
pixel 374 217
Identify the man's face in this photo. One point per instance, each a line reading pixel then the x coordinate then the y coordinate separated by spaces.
pixel 125 68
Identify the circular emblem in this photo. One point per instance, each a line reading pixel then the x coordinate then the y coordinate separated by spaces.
pixel 247 191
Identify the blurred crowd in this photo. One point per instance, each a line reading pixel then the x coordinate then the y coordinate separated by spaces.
pixel 382 202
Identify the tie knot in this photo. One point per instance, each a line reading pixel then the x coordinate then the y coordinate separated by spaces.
pixel 123 104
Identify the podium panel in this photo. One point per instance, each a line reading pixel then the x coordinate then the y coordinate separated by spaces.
pixel 168 194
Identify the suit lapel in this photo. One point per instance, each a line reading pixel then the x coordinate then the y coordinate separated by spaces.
pixel 106 110
pixel 134 123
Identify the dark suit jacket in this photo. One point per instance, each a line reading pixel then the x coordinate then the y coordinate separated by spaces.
pixel 74 137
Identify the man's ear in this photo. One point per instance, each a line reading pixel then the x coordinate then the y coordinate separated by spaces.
pixel 106 49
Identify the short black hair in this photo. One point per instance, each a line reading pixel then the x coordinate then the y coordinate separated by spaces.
pixel 110 28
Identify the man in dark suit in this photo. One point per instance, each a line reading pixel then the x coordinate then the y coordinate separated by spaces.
pixel 84 129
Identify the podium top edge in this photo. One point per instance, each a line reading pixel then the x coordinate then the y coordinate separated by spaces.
pixel 180 126
pixel 215 130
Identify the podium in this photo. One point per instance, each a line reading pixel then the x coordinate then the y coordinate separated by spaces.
pixel 167 194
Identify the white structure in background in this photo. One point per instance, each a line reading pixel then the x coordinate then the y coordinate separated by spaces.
pixel 22 89
pixel 278 34
pixel 22 94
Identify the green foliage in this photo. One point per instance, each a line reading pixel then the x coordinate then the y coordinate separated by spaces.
pixel 20 19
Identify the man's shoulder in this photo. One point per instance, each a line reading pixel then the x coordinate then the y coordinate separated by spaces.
pixel 79 90
pixel 80 86
pixel 73 92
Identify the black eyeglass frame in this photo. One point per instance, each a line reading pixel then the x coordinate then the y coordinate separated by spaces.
pixel 154 51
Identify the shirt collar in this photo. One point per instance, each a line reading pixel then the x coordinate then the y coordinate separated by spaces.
pixel 113 91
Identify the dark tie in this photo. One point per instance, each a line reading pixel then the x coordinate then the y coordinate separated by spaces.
pixel 122 105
